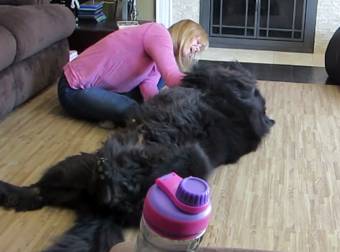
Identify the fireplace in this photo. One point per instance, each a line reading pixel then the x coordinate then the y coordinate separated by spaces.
pixel 287 25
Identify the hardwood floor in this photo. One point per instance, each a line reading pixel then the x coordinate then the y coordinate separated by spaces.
pixel 283 197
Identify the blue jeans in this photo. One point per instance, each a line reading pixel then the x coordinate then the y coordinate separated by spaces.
pixel 98 104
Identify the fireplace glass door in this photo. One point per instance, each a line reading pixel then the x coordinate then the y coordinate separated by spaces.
pixel 234 18
pixel 265 20
pixel 282 19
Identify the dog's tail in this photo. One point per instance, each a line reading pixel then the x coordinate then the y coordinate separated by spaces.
pixel 90 233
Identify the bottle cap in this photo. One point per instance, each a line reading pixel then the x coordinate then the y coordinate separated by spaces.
pixel 178 208
pixel 193 191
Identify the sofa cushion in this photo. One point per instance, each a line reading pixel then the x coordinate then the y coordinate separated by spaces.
pixel 36 27
pixel 26 78
pixel 8 48
pixel 7 92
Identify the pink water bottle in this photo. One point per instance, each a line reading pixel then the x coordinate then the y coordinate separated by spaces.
pixel 175 215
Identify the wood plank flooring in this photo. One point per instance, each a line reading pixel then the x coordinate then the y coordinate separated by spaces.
pixel 283 197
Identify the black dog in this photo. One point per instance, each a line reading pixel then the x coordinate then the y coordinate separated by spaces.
pixel 215 116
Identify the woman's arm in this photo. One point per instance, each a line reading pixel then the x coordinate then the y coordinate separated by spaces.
pixel 148 87
pixel 158 45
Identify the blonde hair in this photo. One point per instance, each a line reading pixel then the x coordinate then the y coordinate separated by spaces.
pixel 182 34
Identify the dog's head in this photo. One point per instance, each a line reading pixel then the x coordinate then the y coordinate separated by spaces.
pixel 232 91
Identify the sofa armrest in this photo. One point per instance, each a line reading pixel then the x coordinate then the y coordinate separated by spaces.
pixel 24 2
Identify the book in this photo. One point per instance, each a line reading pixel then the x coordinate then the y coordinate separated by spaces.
pixel 89 12
pixel 98 17
pixel 91 5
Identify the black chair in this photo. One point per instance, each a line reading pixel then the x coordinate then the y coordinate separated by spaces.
pixel 332 57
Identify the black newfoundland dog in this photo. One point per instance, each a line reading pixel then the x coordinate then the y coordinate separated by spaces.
pixel 215 116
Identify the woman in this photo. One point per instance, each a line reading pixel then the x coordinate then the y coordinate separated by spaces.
pixel 127 67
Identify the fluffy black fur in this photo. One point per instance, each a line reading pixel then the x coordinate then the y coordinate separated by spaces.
pixel 215 116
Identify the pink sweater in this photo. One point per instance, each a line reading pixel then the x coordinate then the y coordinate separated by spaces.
pixel 125 59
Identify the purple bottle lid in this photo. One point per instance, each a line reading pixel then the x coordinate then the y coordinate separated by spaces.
pixel 194 192
pixel 191 194
pixel 178 208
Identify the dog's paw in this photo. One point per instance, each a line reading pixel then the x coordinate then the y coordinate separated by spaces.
pixel 104 183
pixel 29 199
pixel 2 195
pixel 5 195
pixel 19 198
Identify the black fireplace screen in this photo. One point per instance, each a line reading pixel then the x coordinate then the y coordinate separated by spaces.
pixel 266 20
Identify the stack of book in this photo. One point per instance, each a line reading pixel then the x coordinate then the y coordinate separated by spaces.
pixel 91 11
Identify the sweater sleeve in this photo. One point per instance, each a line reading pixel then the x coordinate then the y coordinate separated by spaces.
pixel 158 45
pixel 148 87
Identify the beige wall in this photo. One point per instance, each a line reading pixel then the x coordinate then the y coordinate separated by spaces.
pixel 146 9
pixel 328 18
pixel 327 21
pixel 183 9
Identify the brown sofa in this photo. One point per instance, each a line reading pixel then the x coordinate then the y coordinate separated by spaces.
pixel 33 48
